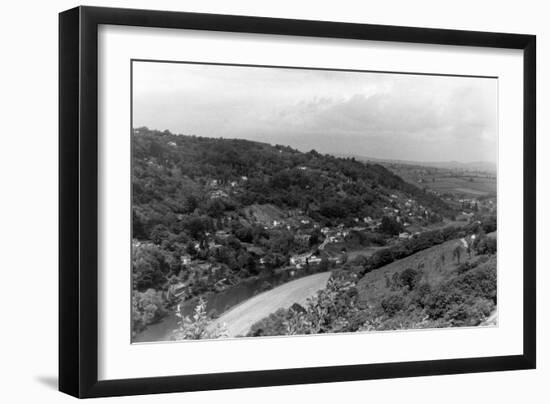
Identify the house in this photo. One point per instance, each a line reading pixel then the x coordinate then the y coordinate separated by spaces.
pixel 314 260
pixel 185 259
pixel 300 259
pixel 404 235
pixel 176 291
pixel 218 194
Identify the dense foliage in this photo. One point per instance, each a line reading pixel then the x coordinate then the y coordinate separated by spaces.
pixel 172 174
pixel 464 298
pixel 208 213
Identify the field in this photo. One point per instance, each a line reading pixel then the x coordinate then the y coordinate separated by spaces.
pixel 469 186
pixel 448 181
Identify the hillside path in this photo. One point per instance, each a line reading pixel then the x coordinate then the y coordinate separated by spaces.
pixel 240 318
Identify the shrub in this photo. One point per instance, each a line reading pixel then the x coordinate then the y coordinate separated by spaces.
pixel 421 294
pixel 274 324
pixel 486 245
pixel 464 267
pixel 471 313
pixel 410 277
pixel 390 226
pixel 439 302
pixel 392 304
pixel 332 309
pixel 199 326
pixel 147 307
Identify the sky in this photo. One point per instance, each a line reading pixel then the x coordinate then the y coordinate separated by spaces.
pixel 381 115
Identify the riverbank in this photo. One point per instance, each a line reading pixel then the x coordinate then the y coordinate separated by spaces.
pixel 227 300
pixel 239 319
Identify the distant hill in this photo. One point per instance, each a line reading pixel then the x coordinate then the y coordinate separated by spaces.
pixel 177 175
pixel 485 166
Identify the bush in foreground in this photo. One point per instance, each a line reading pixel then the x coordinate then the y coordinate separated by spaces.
pixel 198 326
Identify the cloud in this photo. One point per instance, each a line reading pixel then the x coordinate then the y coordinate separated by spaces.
pixel 400 116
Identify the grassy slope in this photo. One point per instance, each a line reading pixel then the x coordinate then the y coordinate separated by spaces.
pixel 264 214
pixel 372 287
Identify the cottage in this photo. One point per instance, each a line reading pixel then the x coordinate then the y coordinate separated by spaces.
pixel 314 260
pixel 185 259
pixel 299 260
pixel 218 194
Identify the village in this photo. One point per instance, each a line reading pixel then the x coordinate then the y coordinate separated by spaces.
pixel 313 246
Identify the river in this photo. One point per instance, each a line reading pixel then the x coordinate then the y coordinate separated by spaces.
pixel 216 302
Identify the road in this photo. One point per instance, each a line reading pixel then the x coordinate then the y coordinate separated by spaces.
pixel 240 318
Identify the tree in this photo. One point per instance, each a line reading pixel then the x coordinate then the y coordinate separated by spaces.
pixel 159 233
pixel 138 229
pixel 457 252
pixel 215 207
pixel 392 304
pixel 191 203
pixel 390 226
pixel 324 264
pixel 315 238
pixel 410 277
pixel 147 307
pixel 197 226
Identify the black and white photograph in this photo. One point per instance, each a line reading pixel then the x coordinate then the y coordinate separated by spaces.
pixel 278 201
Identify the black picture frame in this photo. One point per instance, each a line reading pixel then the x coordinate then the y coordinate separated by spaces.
pixel 78 201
